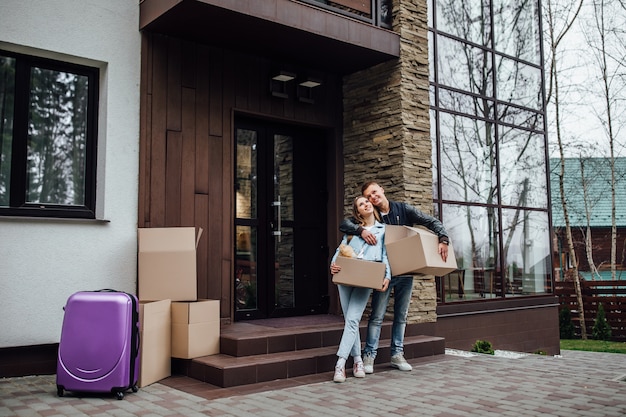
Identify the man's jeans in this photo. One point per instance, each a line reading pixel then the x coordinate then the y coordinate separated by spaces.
pixel 402 287
pixel 353 303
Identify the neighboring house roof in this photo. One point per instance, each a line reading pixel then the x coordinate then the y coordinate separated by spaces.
pixel 602 275
pixel 590 177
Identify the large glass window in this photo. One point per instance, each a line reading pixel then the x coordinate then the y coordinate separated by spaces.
pixel 47 137
pixel 467 159
pixel 490 182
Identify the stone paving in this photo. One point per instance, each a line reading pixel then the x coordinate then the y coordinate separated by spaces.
pixel 570 385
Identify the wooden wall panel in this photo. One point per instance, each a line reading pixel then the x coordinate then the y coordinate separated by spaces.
pixel 174 84
pixel 144 132
pixel 202 120
pixel 159 129
pixel 216 91
pixel 201 206
pixel 173 175
pixel 188 65
pixel 219 180
pixel 188 169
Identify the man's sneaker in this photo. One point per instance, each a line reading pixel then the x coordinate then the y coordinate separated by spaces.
pixel 358 370
pixel 368 364
pixel 398 361
pixel 340 374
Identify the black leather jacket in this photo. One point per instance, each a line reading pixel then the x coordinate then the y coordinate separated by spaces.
pixel 401 214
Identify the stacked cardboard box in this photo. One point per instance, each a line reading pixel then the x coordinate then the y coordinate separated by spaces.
pixel 174 323
pixel 195 328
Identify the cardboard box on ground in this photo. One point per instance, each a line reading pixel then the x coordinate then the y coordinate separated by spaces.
pixel 155 341
pixel 195 328
pixel 174 323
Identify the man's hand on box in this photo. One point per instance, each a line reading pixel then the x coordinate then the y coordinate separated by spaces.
pixel 443 251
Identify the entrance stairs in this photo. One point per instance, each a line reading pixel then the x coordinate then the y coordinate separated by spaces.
pixel 270 349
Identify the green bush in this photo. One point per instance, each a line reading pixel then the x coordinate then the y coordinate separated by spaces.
pixel 483 346
pixel 601 328
pixel 566 327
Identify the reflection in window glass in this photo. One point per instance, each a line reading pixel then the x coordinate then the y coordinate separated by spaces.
pixel 7 95
pixel 245 268
pixel 523 173
pixel 489 146
pixel 468 169
pixel 435 168
pixel 526 245
pixel 465 103
pixel 430 13
pixel 284 273
pixel 48 137
pixel 516 29
pixel 520 117
pixel 468 19
pixel 431 58
pixel 57 132
pixel 464 67
pixel 474 234
pixel 518 83
pixel 283 175
pixel 246 181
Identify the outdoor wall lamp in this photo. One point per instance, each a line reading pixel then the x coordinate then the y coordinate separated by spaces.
pixel 306 88
pixel 278 83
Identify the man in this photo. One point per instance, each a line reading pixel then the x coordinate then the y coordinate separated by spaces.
pixel 402 214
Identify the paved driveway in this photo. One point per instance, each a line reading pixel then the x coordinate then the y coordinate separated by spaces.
pixel 573 384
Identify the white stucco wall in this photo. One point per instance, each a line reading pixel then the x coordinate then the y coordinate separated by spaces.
pixel 42 262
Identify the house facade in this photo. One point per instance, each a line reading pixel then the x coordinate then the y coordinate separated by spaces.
pixel 258 122
pixel 587 184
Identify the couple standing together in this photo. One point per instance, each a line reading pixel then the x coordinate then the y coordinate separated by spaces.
pixel 371 212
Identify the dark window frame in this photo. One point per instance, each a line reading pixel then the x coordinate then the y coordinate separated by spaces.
pixel 436 86
pixel 18 206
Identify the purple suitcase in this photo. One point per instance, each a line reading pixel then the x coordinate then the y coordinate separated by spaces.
pixel 99 346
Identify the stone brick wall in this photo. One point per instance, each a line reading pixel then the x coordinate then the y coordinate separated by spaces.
pixel 387 132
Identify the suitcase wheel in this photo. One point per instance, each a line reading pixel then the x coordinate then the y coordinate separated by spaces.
pixel 119 395
pixel 59 391
pixel 135 388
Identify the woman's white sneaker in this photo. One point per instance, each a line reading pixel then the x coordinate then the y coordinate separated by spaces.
pixel 358 370
pixel 340 374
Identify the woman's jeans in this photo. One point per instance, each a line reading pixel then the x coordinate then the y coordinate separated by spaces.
pixel 402 288
pixel 353 303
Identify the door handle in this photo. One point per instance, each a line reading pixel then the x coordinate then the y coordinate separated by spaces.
pixel 278 231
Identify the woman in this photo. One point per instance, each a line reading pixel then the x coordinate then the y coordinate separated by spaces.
pixel 354 299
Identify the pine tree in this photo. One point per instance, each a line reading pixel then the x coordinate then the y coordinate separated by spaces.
pixel 566 327
pixel 601 328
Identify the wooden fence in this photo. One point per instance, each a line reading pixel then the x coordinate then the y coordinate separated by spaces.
pixel 612 296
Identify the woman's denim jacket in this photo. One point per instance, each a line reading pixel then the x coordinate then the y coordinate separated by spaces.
pixel 367 252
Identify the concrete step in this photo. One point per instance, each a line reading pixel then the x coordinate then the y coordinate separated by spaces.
pixel 267 362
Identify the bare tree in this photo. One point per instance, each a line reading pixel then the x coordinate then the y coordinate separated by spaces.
pixel 559 20
pixel 605 39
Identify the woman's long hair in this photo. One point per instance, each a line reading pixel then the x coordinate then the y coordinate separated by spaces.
pixel 355 211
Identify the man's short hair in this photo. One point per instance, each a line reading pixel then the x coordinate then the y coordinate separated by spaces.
pixel 366 185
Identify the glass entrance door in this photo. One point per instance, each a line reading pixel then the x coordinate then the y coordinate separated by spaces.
pixel 280 220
